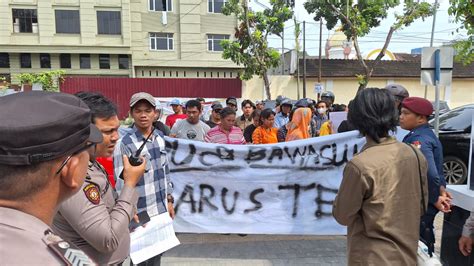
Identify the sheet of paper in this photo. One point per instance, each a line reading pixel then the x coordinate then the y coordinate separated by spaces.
pixel 336 119
pixel 155 238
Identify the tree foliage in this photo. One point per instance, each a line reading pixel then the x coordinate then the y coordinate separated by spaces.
pixel 250 47
pixel 358 18
pixel 463 12
pixel 49 80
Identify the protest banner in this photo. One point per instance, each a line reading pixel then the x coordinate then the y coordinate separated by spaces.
pixel 285 188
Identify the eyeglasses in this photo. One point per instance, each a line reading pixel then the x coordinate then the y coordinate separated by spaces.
pixel 86 147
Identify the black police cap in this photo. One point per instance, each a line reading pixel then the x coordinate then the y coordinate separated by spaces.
pixel 41 126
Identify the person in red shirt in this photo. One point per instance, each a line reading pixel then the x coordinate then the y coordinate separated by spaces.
pixel 178 113
pixel 225 132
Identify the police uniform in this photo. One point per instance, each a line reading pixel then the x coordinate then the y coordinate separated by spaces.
pixel 96 219
pixel 38 127
pixel 424 139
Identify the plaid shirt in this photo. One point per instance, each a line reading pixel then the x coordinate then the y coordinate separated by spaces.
pixel 154 186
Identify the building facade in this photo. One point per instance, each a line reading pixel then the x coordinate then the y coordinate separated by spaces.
pixel 129 38
pixel 181 39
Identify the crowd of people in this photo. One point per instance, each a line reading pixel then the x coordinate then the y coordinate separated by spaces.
pixel 286 121
pixel 56 200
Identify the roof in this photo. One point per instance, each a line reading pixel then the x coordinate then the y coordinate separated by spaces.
pixel 408 66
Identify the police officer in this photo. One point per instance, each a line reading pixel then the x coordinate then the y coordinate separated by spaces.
pixel 329 97
pixel 96 219
pixel 43 161
pixel 414 117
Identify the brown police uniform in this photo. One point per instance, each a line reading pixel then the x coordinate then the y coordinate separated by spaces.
pixel 38 127
pixel 27 240
pixel 96 219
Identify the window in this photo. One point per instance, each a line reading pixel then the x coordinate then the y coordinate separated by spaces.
pixel 161 41
pixel 104 61
pixel 85 60
pixel 215 6
pixel 67 21
pixel 25 60
pixel 109 22
pixel 4 60
pixel 160 5
pixel 214 41
pixel 45 61
pixel 25 20
pixel 65 60
pixel 123 61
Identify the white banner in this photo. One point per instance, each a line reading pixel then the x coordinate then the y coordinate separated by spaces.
pixel 285 188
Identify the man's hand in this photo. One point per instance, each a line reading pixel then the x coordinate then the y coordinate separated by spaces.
pixel 444 193
pixel 132 174
pixel 171 210
pixel 465 245
pixel 443 204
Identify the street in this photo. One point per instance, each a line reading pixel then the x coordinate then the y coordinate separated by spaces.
pixel 216 249
pixel 256 250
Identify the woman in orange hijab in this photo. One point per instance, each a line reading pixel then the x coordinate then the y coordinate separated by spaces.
pixel 298 128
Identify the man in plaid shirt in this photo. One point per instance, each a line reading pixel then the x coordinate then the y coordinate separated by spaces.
pixel 154 189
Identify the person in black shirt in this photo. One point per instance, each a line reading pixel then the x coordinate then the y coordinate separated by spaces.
pixel 248 131
pixel 215 118
pixel 158 124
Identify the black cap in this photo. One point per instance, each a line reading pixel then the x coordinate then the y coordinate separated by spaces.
pixel 217 106
pixel 41 126
pixel 286 101
pixel 305 102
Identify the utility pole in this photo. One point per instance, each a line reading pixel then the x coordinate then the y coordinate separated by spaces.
pixel 283 51
pixel 320 51
pixel 432 37
pixel 304 59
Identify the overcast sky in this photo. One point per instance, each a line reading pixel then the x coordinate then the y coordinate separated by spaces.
pixel 416 35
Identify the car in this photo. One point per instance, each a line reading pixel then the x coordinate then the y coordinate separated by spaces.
pixel 443 108
pixel 455 135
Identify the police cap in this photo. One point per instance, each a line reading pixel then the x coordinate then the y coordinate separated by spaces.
pixel 40 126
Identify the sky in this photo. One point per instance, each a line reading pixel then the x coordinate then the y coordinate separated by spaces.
pixel 416 35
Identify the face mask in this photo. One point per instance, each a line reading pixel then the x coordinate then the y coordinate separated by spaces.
pixel 322 111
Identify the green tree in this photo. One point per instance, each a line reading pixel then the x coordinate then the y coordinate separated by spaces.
pixel 49 80
pixel 463 12
pixel 359 17
pixel 250 47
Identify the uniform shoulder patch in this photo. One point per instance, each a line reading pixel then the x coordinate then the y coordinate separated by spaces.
pixel 92 193
pixel 417 144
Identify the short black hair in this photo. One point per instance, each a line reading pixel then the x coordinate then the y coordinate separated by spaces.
pixel 245 102
pixel 193 103
pixel 100 106
pixel 373 113
pixel 321 101
pixel 18 182
pixel 256 113
pixel 265 114
pixel 226 112
pixel 339 107
pixel 199 99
